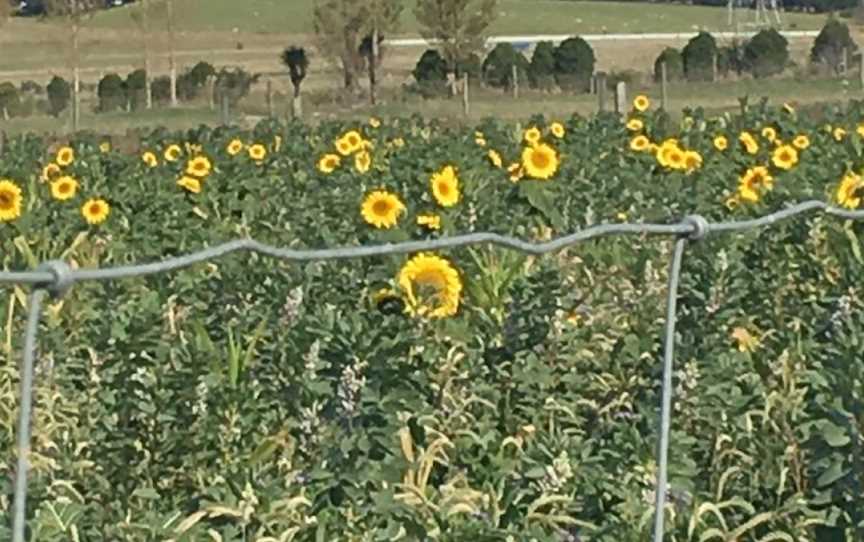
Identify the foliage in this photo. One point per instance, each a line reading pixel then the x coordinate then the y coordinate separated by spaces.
pixel 829 46
pixel 541 72
pixel 430 73
pixel 674 65
pixel 499 64
pixel 574 65
pixel 136 89
pixel 459 27
pixel 111 92
pixel 201 73
pixel 252 399
pixel 730 59
pixel 295 59
pixel 340 26
pixel 698 56
pixel 9 99
pixel 59 95
pixel 233 85
pixel 161 89
pixel 766 54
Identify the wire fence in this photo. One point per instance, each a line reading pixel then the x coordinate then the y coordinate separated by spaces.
pixel 55 278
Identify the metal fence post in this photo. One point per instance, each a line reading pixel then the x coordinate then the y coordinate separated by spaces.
pixel 24 415
pixel 700 229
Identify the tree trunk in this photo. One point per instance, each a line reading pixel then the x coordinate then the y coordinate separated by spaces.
pixel 373 65
pixel 76 77
pixel 172 66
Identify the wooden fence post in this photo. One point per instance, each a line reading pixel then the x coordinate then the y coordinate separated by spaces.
pixel 714 68
pixel 600 84
pixel 466 107
pixel 2 142
pixel 224 109
pixel 845 65
pixel 270 98
pixel 621 98
pixel 664 97
pixel 515 81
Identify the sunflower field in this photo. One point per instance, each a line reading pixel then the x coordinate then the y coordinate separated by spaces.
pixel 468 394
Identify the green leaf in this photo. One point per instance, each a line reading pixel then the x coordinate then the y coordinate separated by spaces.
pixel 540 198
pixel 834 435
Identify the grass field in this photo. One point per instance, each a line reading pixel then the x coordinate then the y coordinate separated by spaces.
pixel 515 17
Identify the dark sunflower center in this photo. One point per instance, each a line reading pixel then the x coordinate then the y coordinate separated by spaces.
pixel 65 188
pixel 444 188
pixel 5 200
pixel 381 207
pixel 540 159
pixel 95 209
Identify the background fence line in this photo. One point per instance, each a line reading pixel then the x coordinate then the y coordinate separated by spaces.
pixel 56 278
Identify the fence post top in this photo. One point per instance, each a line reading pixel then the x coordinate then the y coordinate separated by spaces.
pixel 700 226
pixel 63 278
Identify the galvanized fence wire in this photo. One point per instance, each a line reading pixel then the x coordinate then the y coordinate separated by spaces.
pixel 56 277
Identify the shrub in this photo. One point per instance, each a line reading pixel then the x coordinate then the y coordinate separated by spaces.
pixel 187 88
pixel 472 66
pixel 112 93
pixel 830 43
pixel 498 66
pixel 233 85
pixel 674 65
pixel 161 89
pixel 729 59
pixel 541 71
pixel 136 89
pixel 9 100
pixel 766 54
pixel 31 87
pixel 574 65
pixel 59 94
pixel 431 73
pixel 698 56
pixel 201 72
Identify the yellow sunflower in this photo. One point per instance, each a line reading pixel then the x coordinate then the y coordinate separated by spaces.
pixel 495 157
pixel 11 200
pixel 557 129
pixel 635 125
pixel 801 142
pixel 362 161
pixel 641 103
pixel 398 142
pixel 676 158
pixel 353 140
pixel 234 147
pixel 848 193
pixel 860 129
pixel 191 184
pixel 721 143
pixel 95 211
pixel 374 123
pixel 749 142
pixel 432 286
pixel 199 166
pixel 540 161
pixel 745 341
pixel 105 147
pixel 445 187
pixel 65 156
pixel 839 134
pixel 480 141
pixel 532 135
pixel 640 143
pixel 785 157
pixel 64 188
pixel 429 220
pixel 150 159
pixel 769 133
pixel 516 172
pixel 257 152
pixel 50 171
pixel 754 182
pixel 172 153
pixel 733 202
pixel 692 161
pixel 343 147
pixel 328 163
pixel 382 209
